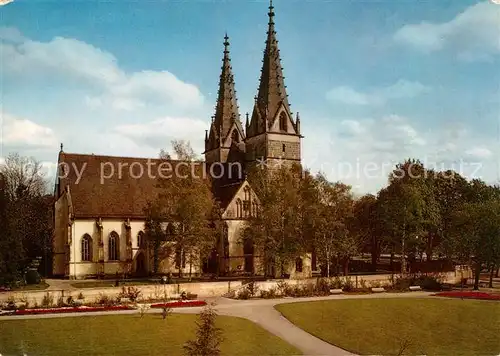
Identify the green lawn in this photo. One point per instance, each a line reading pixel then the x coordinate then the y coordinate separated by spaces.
pixel 131 335
pixel 381 326
pixel 28 287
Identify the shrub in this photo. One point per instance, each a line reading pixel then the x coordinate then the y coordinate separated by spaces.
pixel 252 288
pixel 363 284
pixel 244 294
pixel 348 285
pixel 47 300
pixel 131 293
pixel 104 299
pixel 70 300
pixel 283 288
pixel 208 336
pixel 80 296
pixel 429 283
pixel 322 286
pixel 336 283
pixel 268 294
pixel 60 302
pixel 375 284
pixel 403 283
pixel 32 277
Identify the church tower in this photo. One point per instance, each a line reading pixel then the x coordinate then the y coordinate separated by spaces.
pixel 225 140
pixel 272 133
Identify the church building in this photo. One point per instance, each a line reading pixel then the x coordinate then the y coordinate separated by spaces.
pixel 100 200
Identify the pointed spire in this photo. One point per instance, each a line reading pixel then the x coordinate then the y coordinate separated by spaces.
pixel 272 90
pixel 297 123
pixel 226 108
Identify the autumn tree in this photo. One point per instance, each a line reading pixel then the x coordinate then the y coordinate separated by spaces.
pixel 186 204
pixel 365 223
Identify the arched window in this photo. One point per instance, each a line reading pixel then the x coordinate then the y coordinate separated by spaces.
pixel 283 122
pixel 140 240
pixel 239 208
pixel 86 248
pixel 235 137
pixel 114 247
pixel 254 208
pixel 298 264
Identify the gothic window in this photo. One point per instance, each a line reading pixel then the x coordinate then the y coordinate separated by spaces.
pixel 113 247
pixel 284 148
pixel 235 137
pixel 86 248
pixel 298 264
pixel 140 239
pixel 283 122
pixel 239 208
pixel 254 208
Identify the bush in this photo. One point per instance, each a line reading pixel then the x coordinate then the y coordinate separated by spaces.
pixel 363 284
pixel 80 296
pixel 268 294
pixel 47 300
pixel 208 335
pixel 132 293
pixel 336 283
pixel 348 285
pixel 70 300
pixel 244 294
pixel 429 283
pixel 60 302
pixel 32 277
pixel 105 300
pixel 283 288
pixel 322 286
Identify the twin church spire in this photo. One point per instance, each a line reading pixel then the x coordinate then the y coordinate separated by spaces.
pixel 271 112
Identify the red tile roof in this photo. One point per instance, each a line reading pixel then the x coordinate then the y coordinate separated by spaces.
pixel 113 187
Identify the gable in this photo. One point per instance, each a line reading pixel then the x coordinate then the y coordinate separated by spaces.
pixel 281 118
pixel 243 203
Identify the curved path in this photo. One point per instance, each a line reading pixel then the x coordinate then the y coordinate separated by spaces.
pixel 263 313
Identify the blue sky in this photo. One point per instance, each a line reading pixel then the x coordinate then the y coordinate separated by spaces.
pixel 375 82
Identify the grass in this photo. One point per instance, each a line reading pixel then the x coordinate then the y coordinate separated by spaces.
pixel 382 326
pixel 110 283
pixel 131 335
pixel 27 287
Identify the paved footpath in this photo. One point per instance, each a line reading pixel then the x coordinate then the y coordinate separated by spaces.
pixel 263 313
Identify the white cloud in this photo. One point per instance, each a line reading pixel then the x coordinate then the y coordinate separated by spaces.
pixel 479 152
pixel 378 96
pixel 362 152
pixel 472 34
pixel 160 132
pixel 19 132
pixel 91 67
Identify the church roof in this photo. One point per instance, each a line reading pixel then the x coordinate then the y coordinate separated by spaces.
pixel 113 187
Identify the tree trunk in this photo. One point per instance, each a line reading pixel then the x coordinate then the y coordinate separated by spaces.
pixel 346 266
pixel 374 253
pixel 492 272
pixel 428 251
pixel 477 273
pixel 328 265
pixel 498 271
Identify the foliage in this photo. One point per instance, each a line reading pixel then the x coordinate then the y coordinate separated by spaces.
pixel 32 277
pixel 185 203
pixel 47 300
pixel 131 293
pixel 208 335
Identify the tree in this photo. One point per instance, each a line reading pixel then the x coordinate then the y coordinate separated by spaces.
pixel 277 228
pixel 24 200
pixel 475 232
pixel 366 224
pixel 332 236
pixel 208 335
pixel 186 204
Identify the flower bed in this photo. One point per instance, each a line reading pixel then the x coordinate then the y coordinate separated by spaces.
pixel 70 310
pixel 469 295
pixel 180 304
